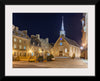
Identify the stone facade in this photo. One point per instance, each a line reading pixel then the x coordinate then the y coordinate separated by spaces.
pixel 63 47
pixel 21 43
pixel 25 46
pixel 84 36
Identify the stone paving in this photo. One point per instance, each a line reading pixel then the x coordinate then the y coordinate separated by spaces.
pixel 58 63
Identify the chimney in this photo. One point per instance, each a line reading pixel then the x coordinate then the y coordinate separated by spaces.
pixel 17 28
pixel 38 36
pixel 25 32
pixel 13 27
pixel 32 36
pixel 47 40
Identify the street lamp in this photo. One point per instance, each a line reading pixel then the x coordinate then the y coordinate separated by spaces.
pixel 83 44
pixel 30 51
pixel 81 47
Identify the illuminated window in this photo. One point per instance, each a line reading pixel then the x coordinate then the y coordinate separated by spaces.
pixel 20 41
pixel 15 39
pixel 82 22
pixel 24 54
pixel 14 45
pixel 60 38
pixel 32 53
pixel 24 47
pixel 85 29
pixel 14 53
pixel 20 46
pixel 65 50
pixel 20 54
pixel 60 43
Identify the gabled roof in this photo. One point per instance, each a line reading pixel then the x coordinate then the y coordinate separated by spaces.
pixel 72 42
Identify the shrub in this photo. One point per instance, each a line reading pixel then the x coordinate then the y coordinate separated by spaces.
pixel 49 57
pixel 40 58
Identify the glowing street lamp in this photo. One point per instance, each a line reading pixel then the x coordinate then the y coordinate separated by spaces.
pixel 81 47
pixel 30 51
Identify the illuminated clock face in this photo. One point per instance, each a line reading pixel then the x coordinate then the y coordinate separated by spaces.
pixel 60 43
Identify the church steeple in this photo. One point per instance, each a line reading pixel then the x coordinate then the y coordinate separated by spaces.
pixel 62 32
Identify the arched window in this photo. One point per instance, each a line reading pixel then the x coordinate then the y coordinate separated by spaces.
pixel 65 50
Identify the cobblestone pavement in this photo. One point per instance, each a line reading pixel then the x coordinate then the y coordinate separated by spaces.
pixel 58 63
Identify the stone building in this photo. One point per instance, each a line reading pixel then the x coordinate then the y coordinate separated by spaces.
pixel 25 46
pixel 20 43
pixel 65 46
pixel 84 36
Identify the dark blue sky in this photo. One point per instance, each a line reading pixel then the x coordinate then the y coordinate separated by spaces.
pixel 49 24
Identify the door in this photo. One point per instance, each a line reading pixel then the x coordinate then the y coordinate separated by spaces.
pixel 60 53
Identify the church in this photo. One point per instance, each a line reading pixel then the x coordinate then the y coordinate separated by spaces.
pixel 65 46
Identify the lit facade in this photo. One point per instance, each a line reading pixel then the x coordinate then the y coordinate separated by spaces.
pixel 25 47
pixel 65 46
pixel 84 36
pixel 21 43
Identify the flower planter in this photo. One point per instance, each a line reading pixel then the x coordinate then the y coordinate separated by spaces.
pixel 52 59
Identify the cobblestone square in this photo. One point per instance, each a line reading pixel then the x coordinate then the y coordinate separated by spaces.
pixel 58 63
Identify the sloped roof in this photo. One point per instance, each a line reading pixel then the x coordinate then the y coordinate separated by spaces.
pixel 36 41
pixel 19 33
pixel 72 42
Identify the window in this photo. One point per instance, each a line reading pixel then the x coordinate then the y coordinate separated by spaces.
pixel 38 44
pixel 65 50
pixel 83 23
pixel 15 39
pixel 24 47
pixel 32 53
pixel 33 43
pixel 14 53
pixel 20 46
pixel 85 29
pixel 60 43
pixel 60 38
pixel 24 54
pixel 15 46
pixel 20 41
pixel 20 54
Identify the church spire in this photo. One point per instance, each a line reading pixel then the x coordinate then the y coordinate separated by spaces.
pixel 62 32
pixel 62 27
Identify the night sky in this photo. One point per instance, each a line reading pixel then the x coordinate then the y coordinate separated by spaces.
pixel 49 24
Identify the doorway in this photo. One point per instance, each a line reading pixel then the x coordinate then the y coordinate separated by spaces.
pixel 60 53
